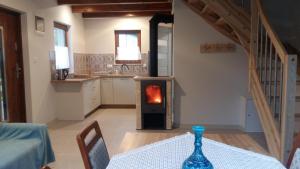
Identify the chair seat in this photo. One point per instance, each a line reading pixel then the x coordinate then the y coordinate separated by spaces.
pixel 15 152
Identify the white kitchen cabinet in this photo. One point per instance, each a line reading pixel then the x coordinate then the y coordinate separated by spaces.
pixel 91 95
pixel 117 91
pixel 75 100
pixel 124 91
pixel 97 93
pixel 107 91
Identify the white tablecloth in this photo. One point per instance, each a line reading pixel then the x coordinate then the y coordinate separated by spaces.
pixel 296 160
pixel 170 154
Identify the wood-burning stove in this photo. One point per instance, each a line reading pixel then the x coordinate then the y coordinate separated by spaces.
pixel 153 104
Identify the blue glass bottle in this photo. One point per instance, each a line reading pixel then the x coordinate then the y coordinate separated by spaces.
pixel 197 160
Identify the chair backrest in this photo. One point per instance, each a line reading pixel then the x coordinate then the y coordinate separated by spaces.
pixel 296 145
pixel 92 147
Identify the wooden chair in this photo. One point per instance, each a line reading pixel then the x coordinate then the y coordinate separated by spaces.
pixel 296 145
pixel 45 167
pixel 92 147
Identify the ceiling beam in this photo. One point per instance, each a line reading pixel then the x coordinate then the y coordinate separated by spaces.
pixel 74 2
pixel 121 7
pixel 122 14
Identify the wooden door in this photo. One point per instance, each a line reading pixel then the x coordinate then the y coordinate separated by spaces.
pixel 12 65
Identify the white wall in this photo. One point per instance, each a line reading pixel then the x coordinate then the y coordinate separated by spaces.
pixel 40 94
pixel 100 37
pixel 208 87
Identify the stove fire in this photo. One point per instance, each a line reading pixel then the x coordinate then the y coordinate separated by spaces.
pixel 153 105
pixel 153 94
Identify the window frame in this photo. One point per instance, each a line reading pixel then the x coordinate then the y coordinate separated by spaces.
pixel 66 29
pixel 117 33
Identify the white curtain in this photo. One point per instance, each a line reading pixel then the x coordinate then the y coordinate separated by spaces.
pixel 128 48
pixel 62 57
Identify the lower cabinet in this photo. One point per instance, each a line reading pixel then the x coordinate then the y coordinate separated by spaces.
pixel 117 91
pixel 75 100
pixel 107 91
pixel 91 95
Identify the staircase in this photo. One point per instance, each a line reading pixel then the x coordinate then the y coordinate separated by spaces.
pixel 272 71
pixel 226 17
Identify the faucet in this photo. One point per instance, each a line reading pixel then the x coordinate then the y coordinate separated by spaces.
pixel 123 66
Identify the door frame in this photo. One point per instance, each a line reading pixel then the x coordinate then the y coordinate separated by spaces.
pixel 3 74
pixel 20 32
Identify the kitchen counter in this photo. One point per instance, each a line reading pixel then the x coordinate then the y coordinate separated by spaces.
pixel 76 80
pixel 116 75
pixel 138 78
pixel 84 78
pixel 80 95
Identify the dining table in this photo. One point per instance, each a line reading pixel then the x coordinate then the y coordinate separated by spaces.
pixel 171 153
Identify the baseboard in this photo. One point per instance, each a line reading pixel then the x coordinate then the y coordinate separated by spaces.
pixel 90 113
pixel 118 106
pixel 212 127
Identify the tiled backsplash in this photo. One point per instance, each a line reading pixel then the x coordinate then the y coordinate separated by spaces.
pixel 104 63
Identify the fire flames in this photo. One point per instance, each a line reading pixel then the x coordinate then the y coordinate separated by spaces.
pixel 153 94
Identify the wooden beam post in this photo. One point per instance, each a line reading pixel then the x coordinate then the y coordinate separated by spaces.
pixel 288 109
pixel 124 14
pixel 75 2
pixel 132 7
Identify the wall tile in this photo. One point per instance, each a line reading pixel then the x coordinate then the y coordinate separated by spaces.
pixel 104 63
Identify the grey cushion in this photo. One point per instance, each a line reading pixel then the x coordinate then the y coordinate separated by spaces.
pixel 99 156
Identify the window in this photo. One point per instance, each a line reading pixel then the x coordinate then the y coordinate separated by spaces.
pixel 61 46
pixel 128 46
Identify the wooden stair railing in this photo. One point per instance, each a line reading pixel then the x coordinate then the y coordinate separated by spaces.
pixel 272 83
pixel 272 72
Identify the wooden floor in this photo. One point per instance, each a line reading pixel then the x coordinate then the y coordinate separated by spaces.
pixel 120 135
pixel 134 140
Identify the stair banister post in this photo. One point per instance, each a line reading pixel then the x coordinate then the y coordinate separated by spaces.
pixel 288 106
pixel 253 41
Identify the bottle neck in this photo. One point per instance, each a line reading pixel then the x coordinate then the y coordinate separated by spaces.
pixel 198 142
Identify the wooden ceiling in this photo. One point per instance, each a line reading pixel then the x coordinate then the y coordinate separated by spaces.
pixel 117 8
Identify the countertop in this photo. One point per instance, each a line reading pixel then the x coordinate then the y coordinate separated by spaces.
pixel 138 78
pixel 76 80
pixel 84 78
pixel 116 75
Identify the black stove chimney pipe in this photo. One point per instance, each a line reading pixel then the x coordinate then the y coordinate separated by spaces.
pixel 153 58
